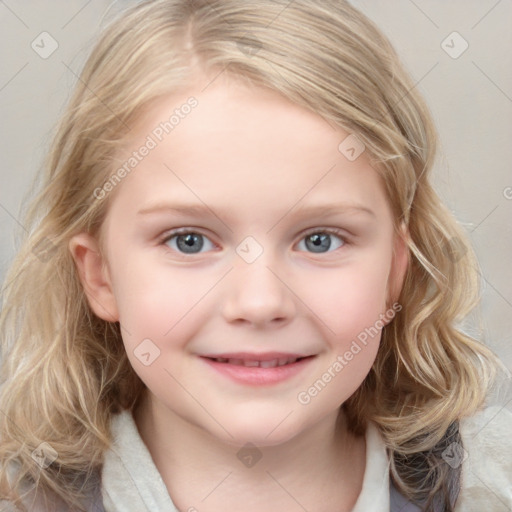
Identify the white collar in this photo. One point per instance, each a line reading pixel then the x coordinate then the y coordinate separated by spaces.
pixel 374 496
pixel 131 481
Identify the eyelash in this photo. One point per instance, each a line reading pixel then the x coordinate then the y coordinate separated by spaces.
pixel 328 231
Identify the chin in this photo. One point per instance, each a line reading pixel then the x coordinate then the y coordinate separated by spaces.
pixel 259 430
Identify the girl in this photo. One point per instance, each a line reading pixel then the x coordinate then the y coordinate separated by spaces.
pixel 240 291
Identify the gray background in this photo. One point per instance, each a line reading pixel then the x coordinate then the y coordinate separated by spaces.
pixel 470 97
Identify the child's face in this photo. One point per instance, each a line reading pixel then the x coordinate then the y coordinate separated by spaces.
pixel 255 281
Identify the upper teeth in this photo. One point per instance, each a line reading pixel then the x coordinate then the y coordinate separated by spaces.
pixel 271 363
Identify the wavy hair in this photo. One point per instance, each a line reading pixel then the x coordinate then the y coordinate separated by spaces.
pixel 65 372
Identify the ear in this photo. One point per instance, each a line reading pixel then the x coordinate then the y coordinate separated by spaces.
pixel 399 264
pixel 94 276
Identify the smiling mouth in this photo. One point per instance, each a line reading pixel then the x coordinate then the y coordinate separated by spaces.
pixel 253 369
pixel 254 363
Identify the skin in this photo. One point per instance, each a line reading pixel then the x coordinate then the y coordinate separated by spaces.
pixel 258 162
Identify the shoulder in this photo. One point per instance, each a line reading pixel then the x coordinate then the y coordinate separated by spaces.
pixel 486 458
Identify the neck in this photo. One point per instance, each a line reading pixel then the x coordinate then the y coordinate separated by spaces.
pixel 320 469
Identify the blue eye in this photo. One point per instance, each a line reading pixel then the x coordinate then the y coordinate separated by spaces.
pixel 188 242
pixel 322 241
pixel 191 242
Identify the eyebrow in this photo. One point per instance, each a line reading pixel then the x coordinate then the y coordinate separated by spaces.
pixel 307 210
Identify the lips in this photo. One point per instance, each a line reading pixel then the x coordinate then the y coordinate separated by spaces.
pixel 258 369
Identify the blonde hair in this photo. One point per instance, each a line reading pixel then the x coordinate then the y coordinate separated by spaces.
pixel 65 371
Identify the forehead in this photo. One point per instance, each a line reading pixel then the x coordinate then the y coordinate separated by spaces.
pixel 243 145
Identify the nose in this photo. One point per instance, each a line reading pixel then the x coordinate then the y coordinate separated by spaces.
pixel 258 296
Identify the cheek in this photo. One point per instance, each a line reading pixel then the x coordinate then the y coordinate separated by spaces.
pixel 350 299
pixel 157 307
pixel 351 306
pixel 154 300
